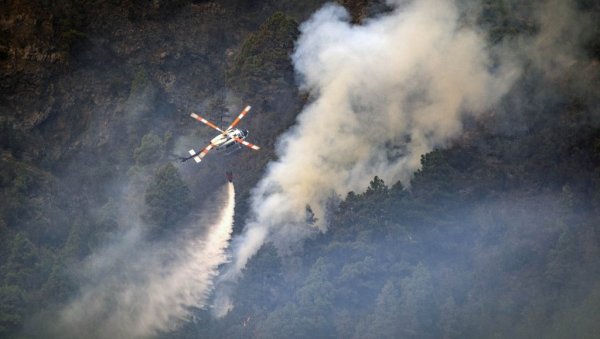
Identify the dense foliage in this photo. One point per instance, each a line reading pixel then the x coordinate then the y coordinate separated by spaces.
pixel 497 236
pixel 449 258
pixel 265 54
pixel 167 198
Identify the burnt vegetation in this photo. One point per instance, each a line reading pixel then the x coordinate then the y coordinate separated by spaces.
pixel 497 236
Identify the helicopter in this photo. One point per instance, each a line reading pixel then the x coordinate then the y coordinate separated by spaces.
pixel 228 137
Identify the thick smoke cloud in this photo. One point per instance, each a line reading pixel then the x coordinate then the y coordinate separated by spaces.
pixel 384 93
pixel 137 289
pixel 562 31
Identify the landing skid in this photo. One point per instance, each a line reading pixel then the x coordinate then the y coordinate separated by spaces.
pixel 233 149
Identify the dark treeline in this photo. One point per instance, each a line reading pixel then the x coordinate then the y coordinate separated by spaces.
pixel 496 236
pixel 469 251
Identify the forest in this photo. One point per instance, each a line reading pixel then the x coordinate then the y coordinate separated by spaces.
pixel 493 232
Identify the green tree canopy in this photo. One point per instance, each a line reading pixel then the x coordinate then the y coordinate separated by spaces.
pixel 151 148
pixel 168 199
pixel 264 55
pixel 22 262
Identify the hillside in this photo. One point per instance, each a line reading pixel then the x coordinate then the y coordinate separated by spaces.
pixel 493 233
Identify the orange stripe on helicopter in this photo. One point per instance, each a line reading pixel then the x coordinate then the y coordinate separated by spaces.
pixel 239 117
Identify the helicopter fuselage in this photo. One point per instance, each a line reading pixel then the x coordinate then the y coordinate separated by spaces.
pixel 231 136
pixel 225 140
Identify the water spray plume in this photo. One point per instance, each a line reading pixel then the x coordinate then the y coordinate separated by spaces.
pixel 159 291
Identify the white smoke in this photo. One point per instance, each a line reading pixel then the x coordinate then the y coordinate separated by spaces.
pixel 154 289
pixel 385 93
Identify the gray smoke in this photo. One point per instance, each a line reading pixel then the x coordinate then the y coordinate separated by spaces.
pixel 562 31
pixel 384 93
pixel 137 290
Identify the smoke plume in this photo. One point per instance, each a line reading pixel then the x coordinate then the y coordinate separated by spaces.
pixel 384 93
pixel 138 289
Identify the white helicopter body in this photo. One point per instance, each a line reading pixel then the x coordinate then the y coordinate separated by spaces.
pixel 229 137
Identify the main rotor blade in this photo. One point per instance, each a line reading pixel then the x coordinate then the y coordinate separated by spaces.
pixel 198 156
pixel 205 151
pixel 239 117
pixel 247 144
pixel 201 119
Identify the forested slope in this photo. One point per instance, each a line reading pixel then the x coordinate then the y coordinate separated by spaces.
pixel 483 244
pixel 496 235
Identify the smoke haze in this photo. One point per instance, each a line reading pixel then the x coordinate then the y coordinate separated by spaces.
pixel 496 235
pixel 137 289
pixel 384 93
